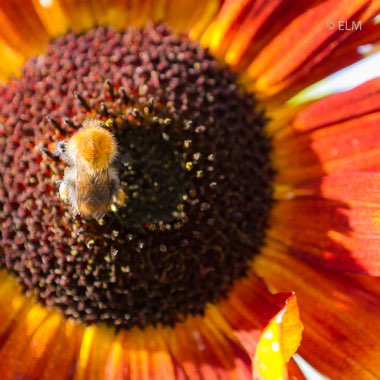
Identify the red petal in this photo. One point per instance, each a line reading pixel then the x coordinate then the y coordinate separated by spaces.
pixel 340 315
pixel 307 44
pixel 337 134
pixel 337 225
pixel 337 108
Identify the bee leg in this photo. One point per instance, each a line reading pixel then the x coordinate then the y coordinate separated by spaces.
pixel 120 197
pixel 63 191
pixel 60 151
pixel 123 160
pixel 51 155
pixel 117 193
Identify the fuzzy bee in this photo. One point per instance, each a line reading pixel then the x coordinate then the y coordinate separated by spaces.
pixel 91 181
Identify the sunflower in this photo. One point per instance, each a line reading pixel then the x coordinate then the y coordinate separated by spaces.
pixel 245 212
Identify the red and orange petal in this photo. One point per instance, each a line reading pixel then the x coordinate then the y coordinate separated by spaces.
pixel 336 223
pixel 36 342
pixel 341 313
pixel 288 60
pixel 327 186
pixel 325 138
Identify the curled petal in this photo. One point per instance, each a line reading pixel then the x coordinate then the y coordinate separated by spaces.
pixel 340 313
pixel 279 341
pixel 255 314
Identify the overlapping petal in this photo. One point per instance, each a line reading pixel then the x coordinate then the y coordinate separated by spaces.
pixel 325 138
pixel 253 329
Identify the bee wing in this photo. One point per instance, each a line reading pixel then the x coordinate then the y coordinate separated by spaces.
pixel 93 190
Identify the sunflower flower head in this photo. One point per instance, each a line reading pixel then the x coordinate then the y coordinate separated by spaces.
pixel 230 197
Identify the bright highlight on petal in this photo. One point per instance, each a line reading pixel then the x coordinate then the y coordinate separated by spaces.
pixel 52 16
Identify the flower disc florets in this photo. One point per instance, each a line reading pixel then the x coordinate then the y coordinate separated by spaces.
pixel 193 162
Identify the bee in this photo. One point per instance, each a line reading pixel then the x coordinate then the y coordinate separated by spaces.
pixel 91 181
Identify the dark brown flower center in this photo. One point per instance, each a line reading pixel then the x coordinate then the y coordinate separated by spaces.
pixel 193 163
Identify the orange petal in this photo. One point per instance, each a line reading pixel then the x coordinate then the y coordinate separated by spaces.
pixel 184 15
pixel 62 359
pixel 217 34
pixel 94 351
pixel 20 334
pixel 206 348
pixel 11 61
pixel 258 26
pixel 38 349
pixel 21 27
pixel 35 342
pixel 204 19
pixel 188 355
pixel 352 146
pixel 117 366
pixel 123 13
pixel 148 355
pixel 340 315
pixel 80 14
pixel 243 27
pixel 52 17
pixel 10 303
pixel 294 371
